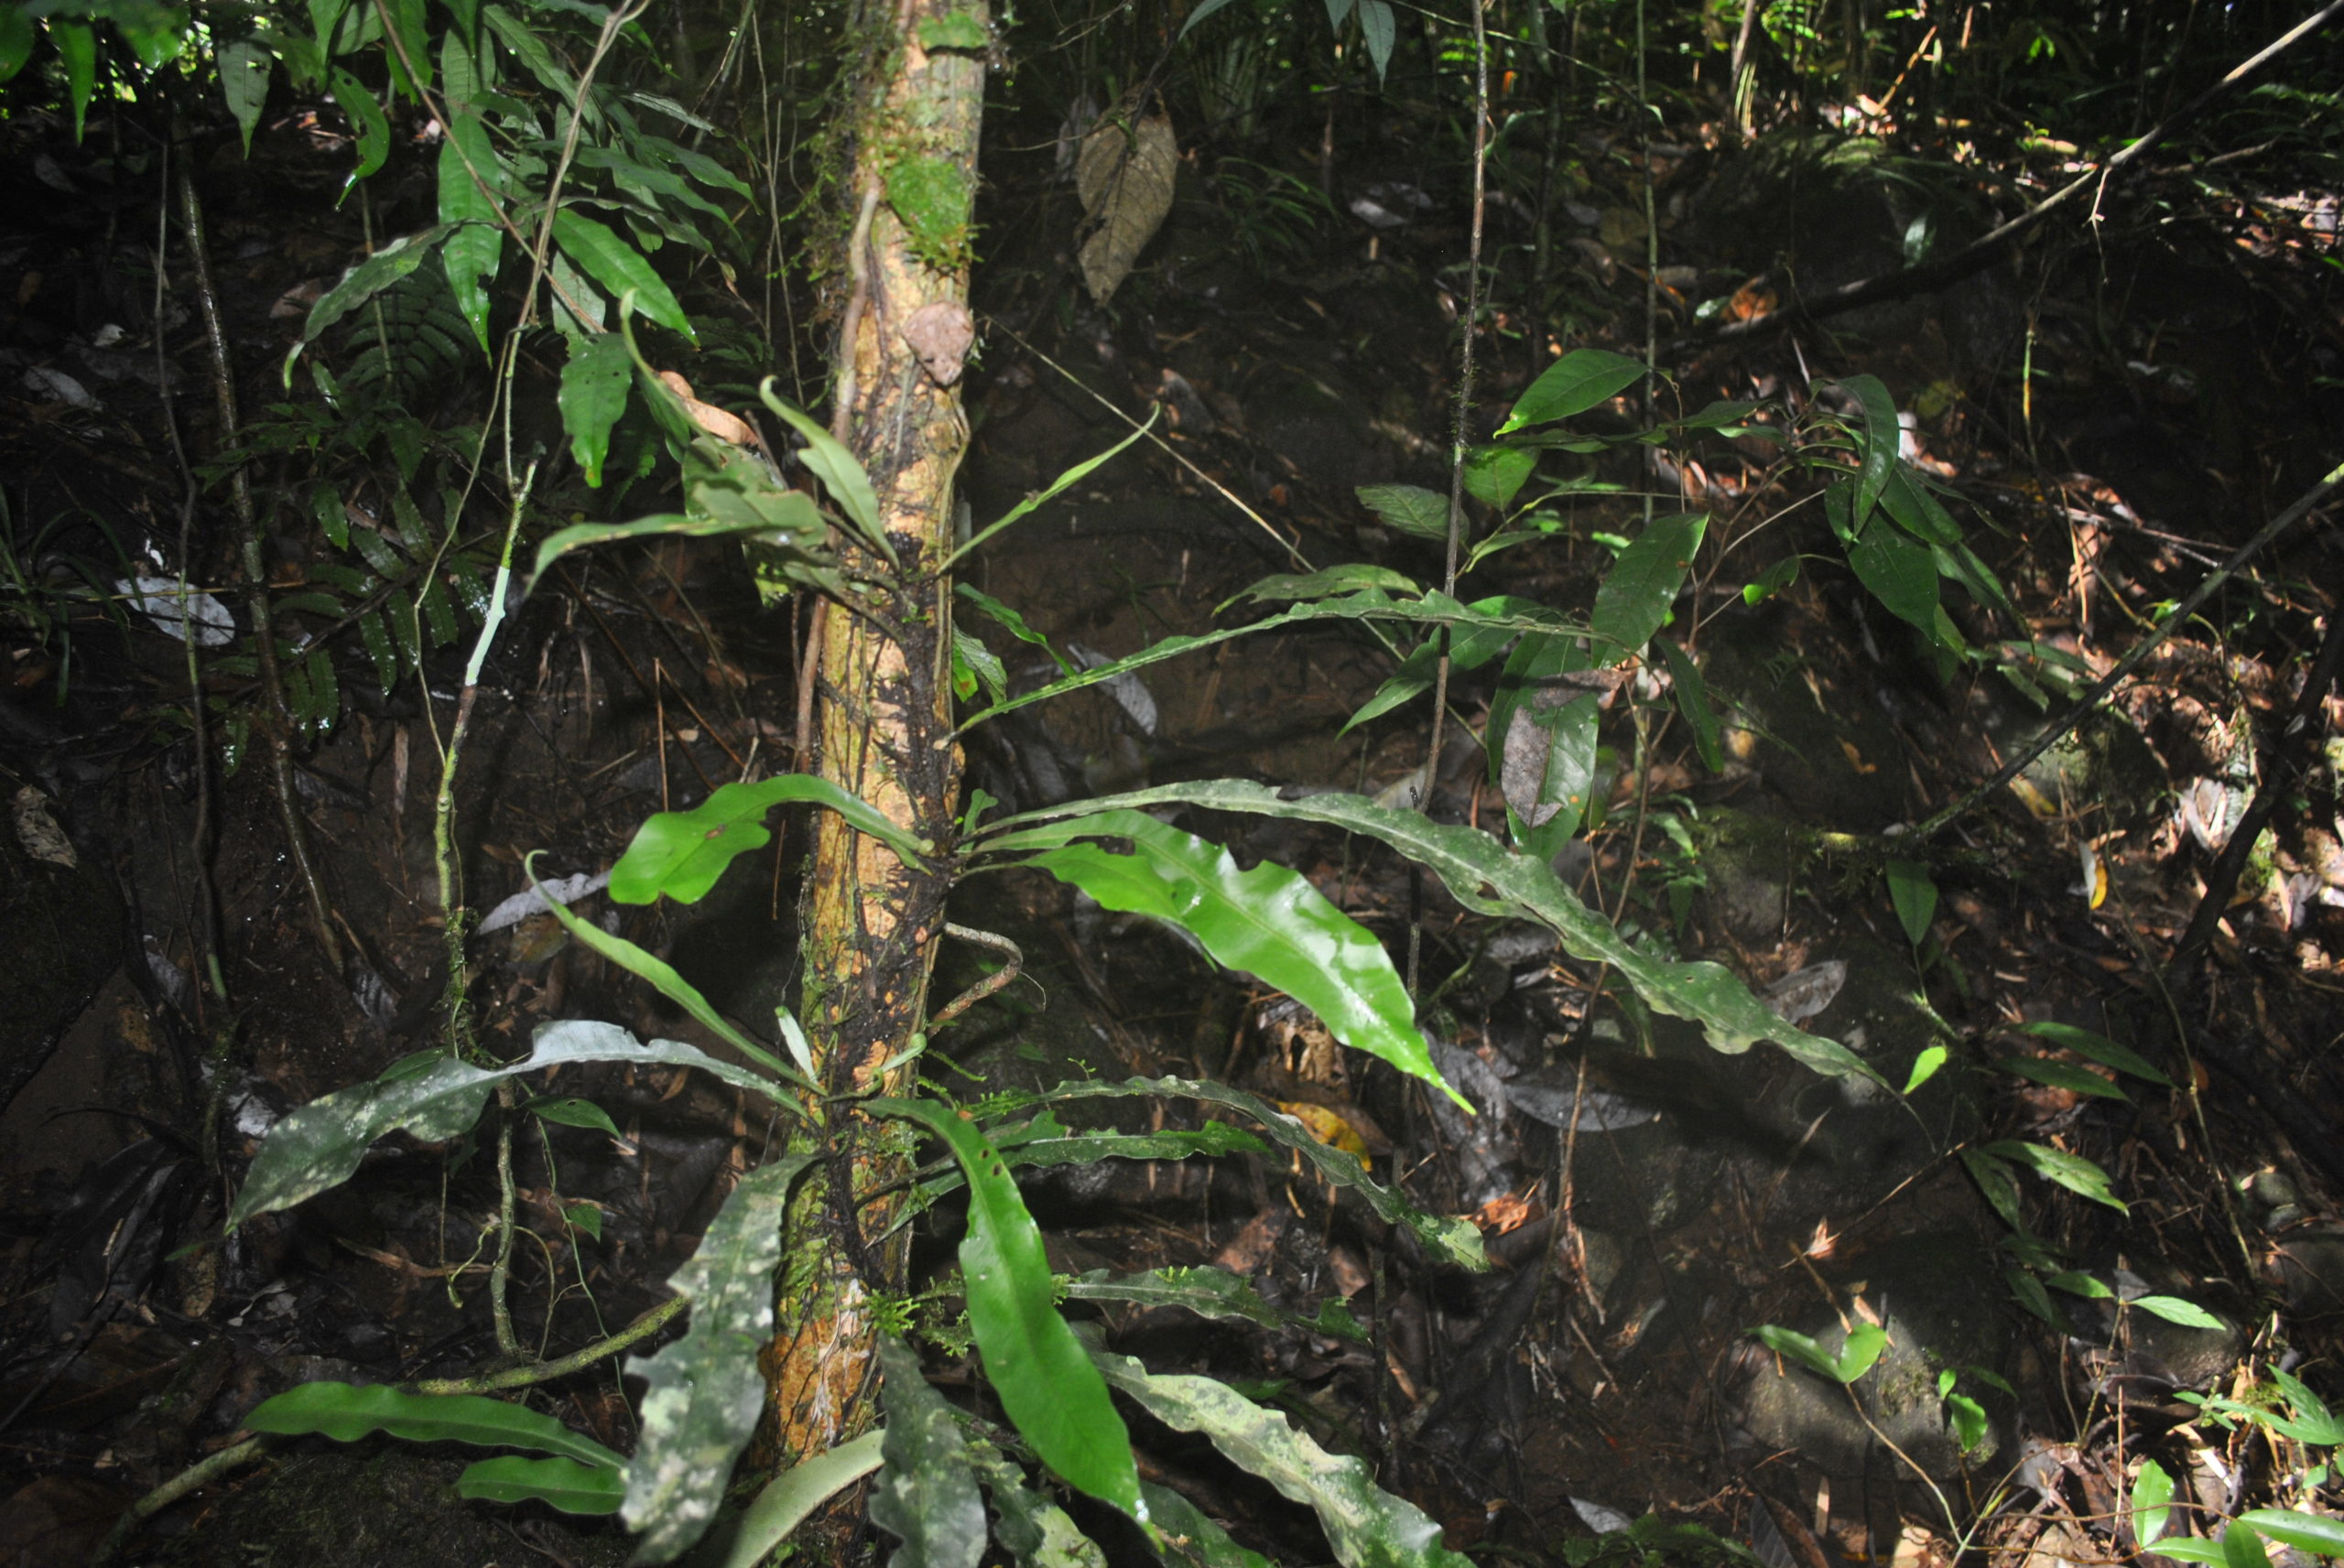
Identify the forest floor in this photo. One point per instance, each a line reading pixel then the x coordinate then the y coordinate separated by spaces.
pixel 2119 416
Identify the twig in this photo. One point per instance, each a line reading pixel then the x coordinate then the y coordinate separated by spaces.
pixel 990 983
pixel 1462 433
pixel 200 1474
pixel 2166 628
pixel 1978 252
pixel 240 491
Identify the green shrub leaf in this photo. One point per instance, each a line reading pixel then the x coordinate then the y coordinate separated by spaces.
pixel 791 1498
pixel 564 1484
pixel 2173 1309
pixel 2099 1048
pixel 1915 894
pixel 619 267
pixel 926 1495
pixel 1209 1293
pixel 2062 1075
pixel 2152 1502
pixel 1455 1240
pixel 681 853
pixel 1046 1383
pixel 1269 921
pixel 1409 508
pixel 703 1394
pixel 346 1412
pixel 2073 1172
pixel 432 1097
pixel 1573 384
pixel 1489 879
pixel 1883 437
pixel 1693 702
pixel 1633 600
pixel 594 381
pixel 1365 1524
pixel 2316 1533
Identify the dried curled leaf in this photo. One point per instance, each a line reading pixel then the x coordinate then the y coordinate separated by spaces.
pixel 1125 175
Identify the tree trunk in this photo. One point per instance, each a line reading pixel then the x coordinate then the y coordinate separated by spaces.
pixel 869 922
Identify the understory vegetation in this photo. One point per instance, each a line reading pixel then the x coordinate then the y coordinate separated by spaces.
pixel 1227 782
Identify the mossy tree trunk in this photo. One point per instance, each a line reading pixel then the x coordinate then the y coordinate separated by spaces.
pixel 869 921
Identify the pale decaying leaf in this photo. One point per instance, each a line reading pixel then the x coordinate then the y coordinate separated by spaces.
pixel 708 416
pixel 1801 994
pixel 1125 176
pixel 38 832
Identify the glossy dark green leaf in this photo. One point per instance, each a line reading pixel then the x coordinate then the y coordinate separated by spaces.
pixel 2242 1546
pixel 2097 1048
pixel 1996 1183
pixel 1193 1537
pixel 1633 600
pixel 926 1494
pixel 1573 384
pixel 1411 509
pixel 1915 894
pixel 1533 672
pixel 1489 879
pixel 346 1413
pixel 2062 1075
pixel 1268 922
pixel 1045 1381
pixel 1366 1526
pixel 802 515
pixel 702 1393
pixel 682 853
pixel 1038 1533
pixel 667 982
pixel 564 1484
pixel 619 267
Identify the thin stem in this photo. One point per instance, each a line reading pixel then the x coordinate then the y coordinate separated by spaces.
pixel 1462 432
